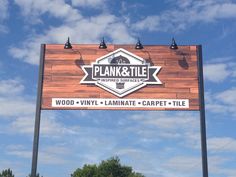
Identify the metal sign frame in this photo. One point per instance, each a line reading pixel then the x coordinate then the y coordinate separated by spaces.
pixel 201 109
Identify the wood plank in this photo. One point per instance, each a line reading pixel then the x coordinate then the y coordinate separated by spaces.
pixel 63 72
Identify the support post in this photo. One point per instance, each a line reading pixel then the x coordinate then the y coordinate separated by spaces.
pixel 202 114
pixel 38 114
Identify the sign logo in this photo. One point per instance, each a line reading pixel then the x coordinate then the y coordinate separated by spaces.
pixel 120 73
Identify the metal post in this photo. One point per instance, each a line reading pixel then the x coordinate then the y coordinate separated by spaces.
pixel 202 114
pixel 38 114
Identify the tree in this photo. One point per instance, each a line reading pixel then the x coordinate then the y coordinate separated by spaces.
pixel 107 168
pixel 7 173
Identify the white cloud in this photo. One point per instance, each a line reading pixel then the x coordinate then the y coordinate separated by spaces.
pixel 89 3
pixel 234 69
pixel 160 163
pixel 3 29
pixel 218 165
pixel 18 150
pixel 184 164
pixel 23 125
pixel 130 151
pixel 3 9
pixel 216 72
pixel 187 13
pixel 228 96
pixel 53 154
pixel 29 53
pixel 16 106
pixel 32 10
pixel 222 102
pixel 81 31
pixel 213 105
pixel 182 127
pixel 12 102
pixel 151 23
pixel 50 127
pixel 21 109
pixel 221 144
pixel 4 15
pixel 168 121
pixel 11 87
pixel 219 69
pixel 210 10
pixel 220 59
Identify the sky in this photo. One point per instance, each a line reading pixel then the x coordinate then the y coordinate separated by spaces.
pixel 155 143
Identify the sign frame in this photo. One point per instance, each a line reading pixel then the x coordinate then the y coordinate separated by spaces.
pixel 201 109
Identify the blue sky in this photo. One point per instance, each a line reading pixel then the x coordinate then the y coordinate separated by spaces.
pixel 157 144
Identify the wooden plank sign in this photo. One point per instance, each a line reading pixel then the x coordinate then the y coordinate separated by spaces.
pixel 120 77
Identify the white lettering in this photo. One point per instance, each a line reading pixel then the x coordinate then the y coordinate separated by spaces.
pixel 96 69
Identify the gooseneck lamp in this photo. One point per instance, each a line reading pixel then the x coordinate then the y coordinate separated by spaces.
pixel 68 44
pixel 102 44
pixel 173 45
pixel 138 45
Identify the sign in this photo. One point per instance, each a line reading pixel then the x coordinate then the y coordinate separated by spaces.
pixel 113 103
pixel 120 77
pixel 120 72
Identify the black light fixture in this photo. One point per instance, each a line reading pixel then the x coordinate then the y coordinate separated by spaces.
pixel 68 44
pixel 173 45
pixel 102 44
pixel 138 45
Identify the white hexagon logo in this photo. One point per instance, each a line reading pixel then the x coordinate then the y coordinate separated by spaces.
pixel 120 73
